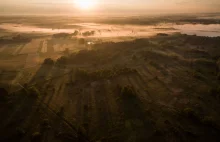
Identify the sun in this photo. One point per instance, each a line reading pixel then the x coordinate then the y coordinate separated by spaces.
pixel 85 4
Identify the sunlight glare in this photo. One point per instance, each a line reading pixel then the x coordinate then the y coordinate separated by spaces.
pixel 86 4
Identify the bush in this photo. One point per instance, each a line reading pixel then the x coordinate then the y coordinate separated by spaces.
pixel 162 34
pixel 75 33
pixel 61 35
pixel 48 61
pixel 61 61
pixel 88 33
pixel 67 51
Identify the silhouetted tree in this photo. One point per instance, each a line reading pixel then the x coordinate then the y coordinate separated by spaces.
pixel 88 33
pixel 61 61
pixel 48 61
pixel 67 51
pixel 75 33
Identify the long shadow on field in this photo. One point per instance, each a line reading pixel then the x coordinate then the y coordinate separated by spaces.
pixel 41 75
pixel 136 123
pixel 53 88
pixel 18 116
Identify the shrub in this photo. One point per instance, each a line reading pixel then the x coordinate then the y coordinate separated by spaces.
pixel 61 35
pixel 162 34
pixel 48 61
pixel 75 33
pixel 61 61
pixel 88 33
pixel 67 51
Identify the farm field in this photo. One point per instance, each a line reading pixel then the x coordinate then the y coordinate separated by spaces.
pixel 66 85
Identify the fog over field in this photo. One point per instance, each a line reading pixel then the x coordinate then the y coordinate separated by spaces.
pixel 109 71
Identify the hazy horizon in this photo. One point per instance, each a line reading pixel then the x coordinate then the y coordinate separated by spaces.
pixel 113 7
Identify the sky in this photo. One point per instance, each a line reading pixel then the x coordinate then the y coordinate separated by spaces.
pixel 142 7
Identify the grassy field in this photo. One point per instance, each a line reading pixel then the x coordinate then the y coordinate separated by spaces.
pixel 161 88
